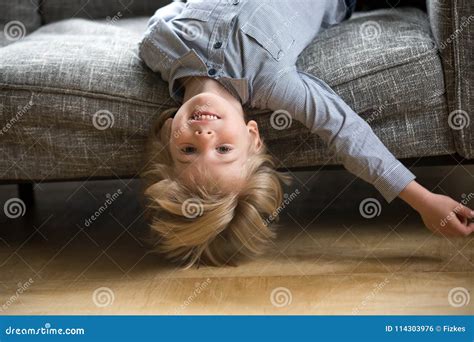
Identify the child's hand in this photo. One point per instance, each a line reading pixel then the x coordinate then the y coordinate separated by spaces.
pixel 445 216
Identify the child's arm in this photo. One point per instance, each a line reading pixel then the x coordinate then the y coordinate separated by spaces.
pixel 441 214
pixel 351 139
pixel 348 137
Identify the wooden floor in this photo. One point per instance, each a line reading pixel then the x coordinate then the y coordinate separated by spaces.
pixel 328 258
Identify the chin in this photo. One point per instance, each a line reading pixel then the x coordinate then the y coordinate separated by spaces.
pixel 206 99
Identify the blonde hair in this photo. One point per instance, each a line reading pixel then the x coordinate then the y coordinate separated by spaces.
pixel 199 224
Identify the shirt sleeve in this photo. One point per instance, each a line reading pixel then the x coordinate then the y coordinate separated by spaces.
pixel 348 136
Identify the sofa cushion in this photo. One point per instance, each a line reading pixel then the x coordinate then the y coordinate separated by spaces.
pixel 453 29
pixel 75 100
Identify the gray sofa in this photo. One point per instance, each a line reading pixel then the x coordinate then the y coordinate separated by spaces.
pixel 77 103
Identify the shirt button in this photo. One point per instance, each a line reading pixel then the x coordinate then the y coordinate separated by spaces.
pixel 212 71
pixel 217 45
pixel 280 54
pixel 235 2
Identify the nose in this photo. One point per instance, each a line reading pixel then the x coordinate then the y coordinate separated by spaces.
pixel 204 131
pixel 204 135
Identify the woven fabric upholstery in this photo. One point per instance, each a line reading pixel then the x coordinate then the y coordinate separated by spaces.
pixel 452 23
pixel 54 81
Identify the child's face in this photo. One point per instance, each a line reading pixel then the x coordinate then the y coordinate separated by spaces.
pixel 221 144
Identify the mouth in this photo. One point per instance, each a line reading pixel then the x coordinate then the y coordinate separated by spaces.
pixel 204 116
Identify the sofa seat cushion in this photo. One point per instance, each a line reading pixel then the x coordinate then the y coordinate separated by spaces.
pixel 56 84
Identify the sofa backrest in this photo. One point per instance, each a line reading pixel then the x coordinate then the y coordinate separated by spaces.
pixel 54 10
pixel 17 19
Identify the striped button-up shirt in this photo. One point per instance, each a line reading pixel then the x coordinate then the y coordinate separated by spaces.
pixel 251 48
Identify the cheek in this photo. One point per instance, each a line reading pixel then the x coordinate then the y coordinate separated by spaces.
pixel 180 129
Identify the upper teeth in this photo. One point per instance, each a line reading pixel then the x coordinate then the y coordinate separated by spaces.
pixel 204 117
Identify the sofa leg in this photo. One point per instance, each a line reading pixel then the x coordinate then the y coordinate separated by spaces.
pixel 26 193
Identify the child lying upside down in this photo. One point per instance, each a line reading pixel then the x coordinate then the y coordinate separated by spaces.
pixel 218 56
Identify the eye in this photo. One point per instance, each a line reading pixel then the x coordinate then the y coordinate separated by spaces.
pixel 188 150
pixel 224 149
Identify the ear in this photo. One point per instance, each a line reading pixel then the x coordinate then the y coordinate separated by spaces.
pixel 252 126
pixel 165 133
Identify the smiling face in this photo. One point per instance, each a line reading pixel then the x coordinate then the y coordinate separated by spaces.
pixel 209 133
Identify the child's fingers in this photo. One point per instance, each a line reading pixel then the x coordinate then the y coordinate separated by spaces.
pixel 465 211
pixel 462 228
pixel 456 227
